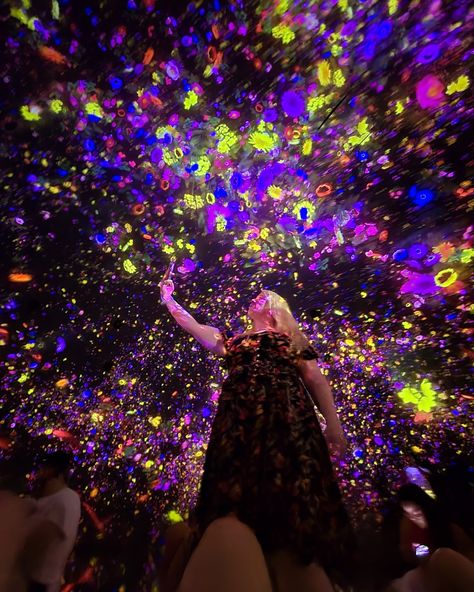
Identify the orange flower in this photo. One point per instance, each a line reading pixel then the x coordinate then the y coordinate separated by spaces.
pixel 20 277
pixel 446 250
pixel 149 53
pixel 52 55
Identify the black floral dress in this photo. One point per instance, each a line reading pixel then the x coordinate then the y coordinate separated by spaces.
pixel 267 459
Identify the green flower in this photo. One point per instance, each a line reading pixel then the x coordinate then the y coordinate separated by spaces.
pixel 424 398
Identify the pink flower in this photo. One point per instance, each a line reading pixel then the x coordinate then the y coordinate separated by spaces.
pixel 430 92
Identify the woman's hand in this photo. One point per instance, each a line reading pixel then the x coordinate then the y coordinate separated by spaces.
pixel 335 438
pixel 166 284
pixel 167 289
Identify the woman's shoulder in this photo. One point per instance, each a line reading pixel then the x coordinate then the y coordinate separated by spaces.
pixel 255 334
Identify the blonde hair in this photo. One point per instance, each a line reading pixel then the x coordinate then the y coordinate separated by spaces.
pixel 285 322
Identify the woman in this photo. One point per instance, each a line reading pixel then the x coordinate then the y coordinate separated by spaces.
pixel 431 543
pixel 423 524
pixel 267 463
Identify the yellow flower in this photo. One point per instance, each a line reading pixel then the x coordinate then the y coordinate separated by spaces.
pixel 282 6
pixel 462 83
pixel 155 421
pixel 56 106
pixel 226 138
pixel 164 130
pixel 284 33
pixel 467 255
pixel 324 72
pixel 315 103
pixel 274 191
pixel 262 141
pixel 174 516
pixel 338 78
pixel 254 246
pixel 304 205
pixel 363 127
pixel 446 277
pixel 221 223
pixel 29 115
pixel 363 137
pixel 129 266
pixel 399 107
pixel 204 164
pixel 307 147
pixel 392 7
pixel 94 109
pixel 169 157
pixel 194 202
pixel 190 100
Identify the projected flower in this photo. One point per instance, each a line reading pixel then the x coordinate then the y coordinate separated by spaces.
pixel 430 92
pixel 420 197
pixel 293 103
pixel 423 398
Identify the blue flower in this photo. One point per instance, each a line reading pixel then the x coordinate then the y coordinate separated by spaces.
pixel 400 255
pixel 362 156
pixel 236 180
pixel 115 83
pixel 420 196
pixel 382 30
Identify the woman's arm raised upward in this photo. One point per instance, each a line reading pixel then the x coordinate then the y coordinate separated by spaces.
pixel 209 337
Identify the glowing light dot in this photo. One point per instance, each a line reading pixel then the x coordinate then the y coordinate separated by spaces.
pixel 173 516
pixel 129 266
pixel 30 114
pixel 155 421
pixel 20 278
pixel 56 106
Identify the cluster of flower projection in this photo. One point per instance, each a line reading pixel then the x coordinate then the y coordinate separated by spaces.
pixel 317 148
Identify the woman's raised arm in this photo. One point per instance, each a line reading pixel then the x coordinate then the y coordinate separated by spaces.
pixel 209 337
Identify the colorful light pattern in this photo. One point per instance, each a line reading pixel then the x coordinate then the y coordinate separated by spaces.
pixel 318 149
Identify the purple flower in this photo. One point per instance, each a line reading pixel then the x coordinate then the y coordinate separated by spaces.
pixel 431 259
pixel 293 103
pixel 418 251
pixel 270 115
pixel 430 92
pixel 156 155
pixel 419 283
pixel 428 53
